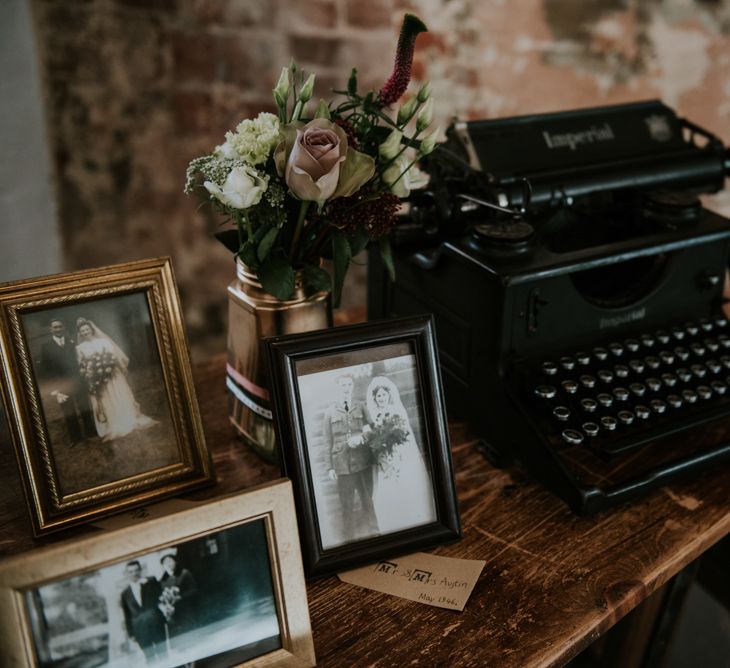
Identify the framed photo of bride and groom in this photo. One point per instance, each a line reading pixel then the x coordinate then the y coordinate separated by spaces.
pixel 98 392
pixel 362 430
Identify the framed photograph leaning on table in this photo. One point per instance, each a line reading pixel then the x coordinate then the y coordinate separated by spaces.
pixel 362 431
pixel 220 584
pixel 98 391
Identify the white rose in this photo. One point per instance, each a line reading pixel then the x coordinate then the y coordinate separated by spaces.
pixel 243 188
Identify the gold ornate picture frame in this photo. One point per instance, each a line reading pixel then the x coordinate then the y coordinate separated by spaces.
pixel 221 581
pixel 98 391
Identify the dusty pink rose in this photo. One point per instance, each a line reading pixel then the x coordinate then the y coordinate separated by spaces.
pixel 313 167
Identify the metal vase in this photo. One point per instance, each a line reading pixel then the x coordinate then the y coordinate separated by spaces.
pixel 253 315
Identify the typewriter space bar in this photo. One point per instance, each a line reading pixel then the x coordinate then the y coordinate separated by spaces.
pixel 665 474
pixel 623 445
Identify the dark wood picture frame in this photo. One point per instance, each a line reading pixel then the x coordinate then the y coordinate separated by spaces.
pixel 284 352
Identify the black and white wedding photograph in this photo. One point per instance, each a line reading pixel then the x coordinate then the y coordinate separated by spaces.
pixel 365 441
pixel 206 602
pixel 102 390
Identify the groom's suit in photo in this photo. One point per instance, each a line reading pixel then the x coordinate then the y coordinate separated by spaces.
pixel 353 466
pixel 142 617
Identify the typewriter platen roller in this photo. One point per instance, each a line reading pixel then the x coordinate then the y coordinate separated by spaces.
pixel 576 282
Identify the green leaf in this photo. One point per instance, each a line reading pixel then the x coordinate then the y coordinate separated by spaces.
pixel 277 278
pixel 229 238
pixel 387 253
pixel 322 110
pixel 356 171
pixel 247 254
pixel 316 279
pixel 358 242
pixel 341 255
pixel 266 243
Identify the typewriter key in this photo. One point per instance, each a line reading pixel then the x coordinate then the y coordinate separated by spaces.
pixel 698 370
pixel 724 340
pixel 647 340
pixel 682 353
pixel 570 386
pixel 691 329
pixel 625 417
pixel 545 391
pixel 642 412
pixel 714 366
pixel 567 363
pixel 677 333
pixel 632 345
pixel 666 357
pixel 587 381
pixel 601 354
pixel 616 348
pixel 674 401
pixel 605 399
pixel 572 436
pixel 684 375
pixel 704 392
pixel 549 369
pixel 588 405
pixel 637 366
pixel 658 406
pixel 720 321
pixel 605 375
pixel 609 423
pixel 561 413
pixel 637 389
pixel 663 336
pixel 653 362
pixel 725 359
pixel 621 371
pixel 706 325
pixel 690 396
pixel 719 387
pixel 591 428
pixel 698 349
pixel 669 379
pixel 584 359
pixel 654 384
pixel 621 393
pixel 711 345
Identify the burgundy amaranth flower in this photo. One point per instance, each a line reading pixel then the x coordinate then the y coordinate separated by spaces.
pixel 398 82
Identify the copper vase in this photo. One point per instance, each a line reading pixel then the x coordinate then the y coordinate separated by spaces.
pixel 253 315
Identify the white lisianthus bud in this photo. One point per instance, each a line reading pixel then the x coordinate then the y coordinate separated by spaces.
pixel 405 113
pixel 428 143
pixel 391 146
pixel 425 116
pixel 242 189
pixel 281 92
pixel 424 92
pixel 306 93
pixel 401 183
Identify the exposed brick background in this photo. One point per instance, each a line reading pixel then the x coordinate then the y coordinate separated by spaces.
pixel 135 89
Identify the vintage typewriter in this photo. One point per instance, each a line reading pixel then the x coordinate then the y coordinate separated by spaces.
pixel 577 286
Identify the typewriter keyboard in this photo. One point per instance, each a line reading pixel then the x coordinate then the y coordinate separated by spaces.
pixel 621 395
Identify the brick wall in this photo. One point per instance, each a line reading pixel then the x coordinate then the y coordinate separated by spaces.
pixel 136 88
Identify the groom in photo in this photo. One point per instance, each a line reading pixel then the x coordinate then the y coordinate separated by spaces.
pixel 59 369
pixel 350 462
pixel 142 617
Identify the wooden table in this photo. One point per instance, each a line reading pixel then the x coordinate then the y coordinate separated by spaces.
pixel 552 583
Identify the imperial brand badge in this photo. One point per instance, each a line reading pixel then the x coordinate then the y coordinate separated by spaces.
pixel 572 140
pixel 659 127
pixel 615 321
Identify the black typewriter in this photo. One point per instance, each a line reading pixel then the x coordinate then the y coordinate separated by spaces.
pixel 577 286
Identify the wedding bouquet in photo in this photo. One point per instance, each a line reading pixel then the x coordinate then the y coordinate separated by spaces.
pixel 169 598
pixel 319 181
pixel 385 436
pixel 97 369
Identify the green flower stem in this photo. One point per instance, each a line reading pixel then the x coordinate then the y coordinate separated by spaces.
pixel 298 108
pixel 298 230
pixel 403 173
pixel 249 227
pixel 319 240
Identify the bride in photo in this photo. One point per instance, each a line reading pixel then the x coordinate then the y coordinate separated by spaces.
pixel 104 366
pixel 403 494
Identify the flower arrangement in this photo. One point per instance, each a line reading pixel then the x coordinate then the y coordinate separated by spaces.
pixel 169 598
pixel 98 369
pixel 299 186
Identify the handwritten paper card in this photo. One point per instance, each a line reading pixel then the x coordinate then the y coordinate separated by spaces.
pixel 426 578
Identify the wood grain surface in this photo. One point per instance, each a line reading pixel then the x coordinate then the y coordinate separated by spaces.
pixel 553 582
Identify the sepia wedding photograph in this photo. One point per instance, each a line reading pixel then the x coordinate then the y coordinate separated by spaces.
pixel 102 390
pixel 361 421
pixel 209 601
pixel 364 432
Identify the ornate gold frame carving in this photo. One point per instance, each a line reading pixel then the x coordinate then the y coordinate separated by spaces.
pixel 272 502
pixel 50 510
